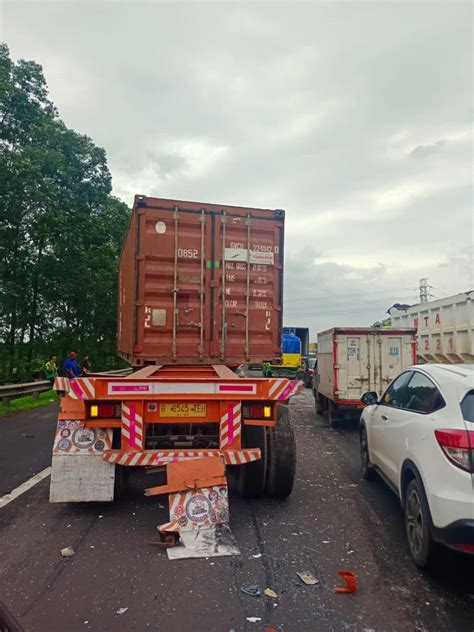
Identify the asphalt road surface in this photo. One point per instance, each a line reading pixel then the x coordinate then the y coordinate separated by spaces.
pixel 332 521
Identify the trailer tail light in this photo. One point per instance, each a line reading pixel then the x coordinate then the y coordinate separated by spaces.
pixel 458 446
pixel 257 411
pixel 104 411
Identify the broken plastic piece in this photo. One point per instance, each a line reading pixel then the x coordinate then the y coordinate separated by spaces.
pixel 270 593
pixel 307 578
pixel 68 551
pixel 253 591
pixel 121 610
pixel 351 582
pixel 254 619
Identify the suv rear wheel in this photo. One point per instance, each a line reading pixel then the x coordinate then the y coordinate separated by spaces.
pixel 365 465
pixel 418 524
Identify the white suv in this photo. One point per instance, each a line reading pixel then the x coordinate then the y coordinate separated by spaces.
pixel 420 438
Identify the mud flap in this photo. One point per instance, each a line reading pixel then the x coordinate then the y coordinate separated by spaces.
pixel 199 509
pixel 214 541
pixel 78 472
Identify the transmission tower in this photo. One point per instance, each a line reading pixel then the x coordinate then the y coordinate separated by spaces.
pixel 424 290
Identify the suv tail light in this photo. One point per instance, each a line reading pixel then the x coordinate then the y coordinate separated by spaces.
pixel 458 446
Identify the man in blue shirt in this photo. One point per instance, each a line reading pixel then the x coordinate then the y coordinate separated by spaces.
pixel 70 366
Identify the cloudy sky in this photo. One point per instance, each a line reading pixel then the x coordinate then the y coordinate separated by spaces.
pixel 355 117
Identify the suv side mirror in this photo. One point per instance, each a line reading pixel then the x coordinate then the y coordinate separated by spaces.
pixel 369 398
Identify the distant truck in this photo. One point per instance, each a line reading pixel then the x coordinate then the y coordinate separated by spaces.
pixel 445 328
pixel 295 350
pixel 352 361
pixel 303 335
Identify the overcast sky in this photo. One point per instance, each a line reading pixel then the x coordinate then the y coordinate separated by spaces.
pixel 354 117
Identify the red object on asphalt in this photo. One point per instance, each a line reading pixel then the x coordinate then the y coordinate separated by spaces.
pixel 351 582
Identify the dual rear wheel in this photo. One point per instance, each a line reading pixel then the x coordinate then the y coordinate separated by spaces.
pixel 274 473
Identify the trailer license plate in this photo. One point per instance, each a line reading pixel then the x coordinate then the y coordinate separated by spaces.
pixel 182 410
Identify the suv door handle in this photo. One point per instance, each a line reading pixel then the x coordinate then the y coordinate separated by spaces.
pixel 384 417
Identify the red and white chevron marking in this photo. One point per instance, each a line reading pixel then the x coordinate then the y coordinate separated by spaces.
pixel 82 388
pixel 282 389
pixel 154 457
pixel 61 384
pixel 132 426
pixel 230 425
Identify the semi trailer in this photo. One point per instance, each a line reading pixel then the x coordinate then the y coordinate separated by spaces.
pixel 200 293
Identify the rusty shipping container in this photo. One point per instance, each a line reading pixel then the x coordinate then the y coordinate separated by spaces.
pixel 200 284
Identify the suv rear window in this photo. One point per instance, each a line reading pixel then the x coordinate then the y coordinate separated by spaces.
pixel 394 393
pixel 467 407
pixel 421 395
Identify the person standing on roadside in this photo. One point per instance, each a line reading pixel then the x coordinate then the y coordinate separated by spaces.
pixel 51 369
pixel 70 367
pixel 85 365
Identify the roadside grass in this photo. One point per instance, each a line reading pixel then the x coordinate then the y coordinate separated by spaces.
pixel 28 402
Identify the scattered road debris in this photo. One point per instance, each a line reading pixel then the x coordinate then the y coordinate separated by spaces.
pixel 253 591
pixel 121 610
pixel 254 619
pixel 270 593
pixel 68 551
pixel 351 582
pixel 256 556
pixel 308 578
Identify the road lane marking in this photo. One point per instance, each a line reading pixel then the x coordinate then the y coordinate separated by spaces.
pixel 24 487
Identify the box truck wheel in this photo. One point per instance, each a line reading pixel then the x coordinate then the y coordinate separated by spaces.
pixel 251 476
pixel 281 456
pixel 318 403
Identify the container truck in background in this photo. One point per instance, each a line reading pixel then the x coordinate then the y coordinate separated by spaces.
pixel 352 361
pixel 303 335
pixel 295 349
pixel 200 293
pixel 445 328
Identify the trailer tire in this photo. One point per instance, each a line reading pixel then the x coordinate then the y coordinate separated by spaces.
pixel 281 456
pixel 251 477
pixel 122 474
pixel 332 418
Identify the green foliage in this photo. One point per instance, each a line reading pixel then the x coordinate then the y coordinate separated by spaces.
pixel 28 401
pixel 61 232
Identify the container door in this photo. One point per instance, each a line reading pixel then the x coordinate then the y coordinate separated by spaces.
pixel 247 305
pixel 357 376
pixel 389 361
pixel 174 279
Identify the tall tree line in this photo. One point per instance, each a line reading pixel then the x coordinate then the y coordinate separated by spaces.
pixel 61 232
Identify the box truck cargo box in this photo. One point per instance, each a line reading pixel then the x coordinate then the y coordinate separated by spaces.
pixel 445 328
pixel 352 361
pixel 200 284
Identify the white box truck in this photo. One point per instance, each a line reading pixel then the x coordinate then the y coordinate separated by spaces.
pixel 352 361
pixel 445 328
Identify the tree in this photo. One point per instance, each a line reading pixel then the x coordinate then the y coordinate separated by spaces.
pixel 60 231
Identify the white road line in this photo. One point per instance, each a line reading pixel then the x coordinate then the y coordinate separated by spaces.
pixel 24 487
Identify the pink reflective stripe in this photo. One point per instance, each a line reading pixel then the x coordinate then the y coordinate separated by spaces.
pixel 139 388
pixel 236 388
pixel 76 388
pixel 230 424
pixel 132 427
pixel 287 391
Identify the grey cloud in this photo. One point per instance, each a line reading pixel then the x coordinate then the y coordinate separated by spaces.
pixel 354 117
